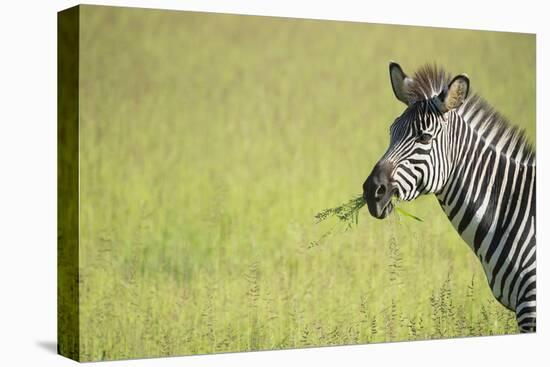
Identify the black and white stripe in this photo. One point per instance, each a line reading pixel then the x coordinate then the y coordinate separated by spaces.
pixel 483 173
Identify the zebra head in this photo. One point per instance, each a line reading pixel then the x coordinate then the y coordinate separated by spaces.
pixel 418 159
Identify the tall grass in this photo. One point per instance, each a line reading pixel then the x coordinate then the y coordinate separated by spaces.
pixel 209 142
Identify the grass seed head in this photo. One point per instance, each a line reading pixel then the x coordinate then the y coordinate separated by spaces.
pixel 347 212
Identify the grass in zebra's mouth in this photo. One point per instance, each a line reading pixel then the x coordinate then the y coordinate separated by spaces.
pixel 404 212
pixel 348 213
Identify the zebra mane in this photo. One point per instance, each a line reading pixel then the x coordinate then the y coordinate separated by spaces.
pixel 427 82
pixel 430 80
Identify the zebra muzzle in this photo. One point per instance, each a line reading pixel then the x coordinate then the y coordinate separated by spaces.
pixel 378 191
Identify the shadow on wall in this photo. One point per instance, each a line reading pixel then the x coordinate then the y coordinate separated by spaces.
pixel 48 345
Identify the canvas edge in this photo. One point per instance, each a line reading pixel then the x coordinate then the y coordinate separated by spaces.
pixel 68 43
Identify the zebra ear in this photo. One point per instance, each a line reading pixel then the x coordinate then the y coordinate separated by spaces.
pixel 399 80
pixel 455 94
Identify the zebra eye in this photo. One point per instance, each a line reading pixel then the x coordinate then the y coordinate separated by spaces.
pixel 424 138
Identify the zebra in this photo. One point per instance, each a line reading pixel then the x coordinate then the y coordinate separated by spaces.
pixel 453 144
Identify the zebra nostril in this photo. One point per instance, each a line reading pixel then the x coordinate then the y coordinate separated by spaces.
pixel 380 191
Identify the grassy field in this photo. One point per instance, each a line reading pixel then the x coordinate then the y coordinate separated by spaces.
pixel 209 142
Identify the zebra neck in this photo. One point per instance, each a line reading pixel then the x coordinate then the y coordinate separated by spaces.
pixel 485 190
pixel 490 200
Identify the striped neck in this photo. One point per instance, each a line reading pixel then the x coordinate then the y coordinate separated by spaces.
pixel 486 193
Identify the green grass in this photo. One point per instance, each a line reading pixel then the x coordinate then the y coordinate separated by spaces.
pixel 207 145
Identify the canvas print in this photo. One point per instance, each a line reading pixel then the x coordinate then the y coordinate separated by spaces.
pixel 232 183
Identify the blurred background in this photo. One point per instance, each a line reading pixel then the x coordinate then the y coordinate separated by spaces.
pixel 207 144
